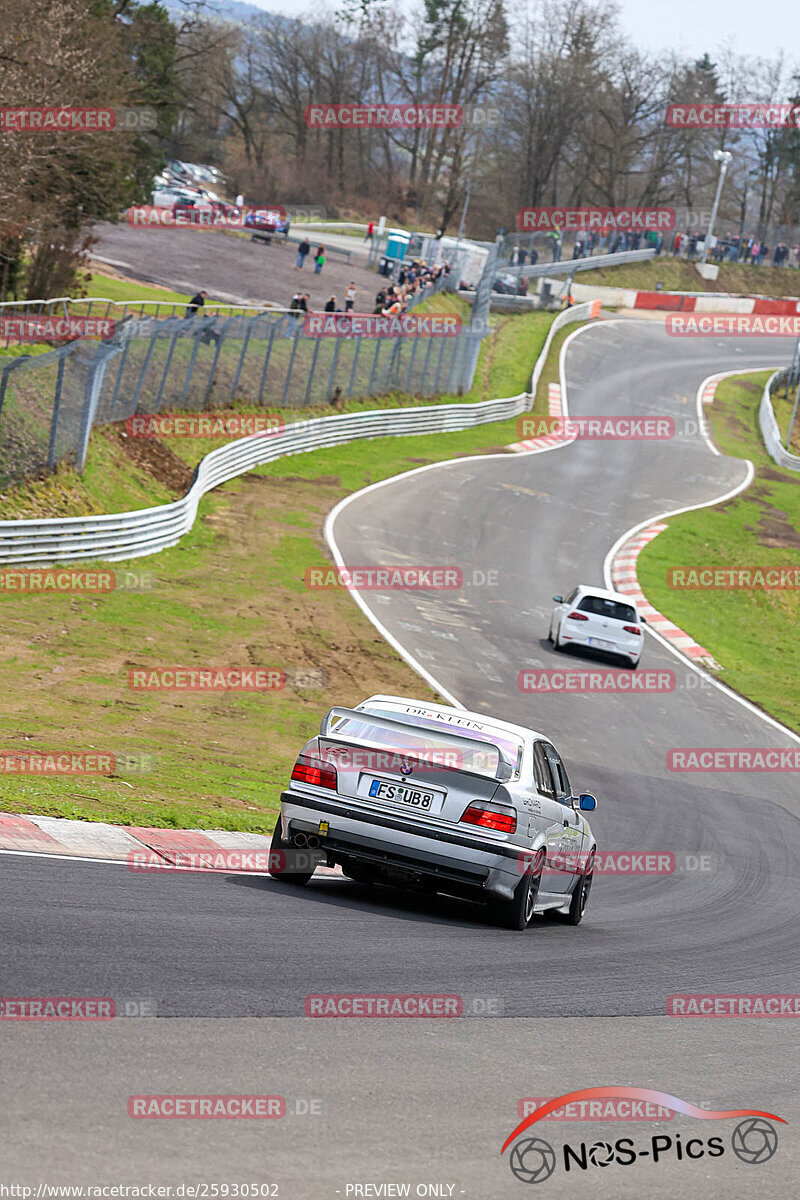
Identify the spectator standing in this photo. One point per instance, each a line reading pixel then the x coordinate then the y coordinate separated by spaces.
pixel 350 297
pixel 196 303
pixel 331 305
pixel 369 236
pixel 296 308
pixel 319 260
pixel 303 251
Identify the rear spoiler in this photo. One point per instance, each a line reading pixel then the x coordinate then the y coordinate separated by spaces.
pixel 502 774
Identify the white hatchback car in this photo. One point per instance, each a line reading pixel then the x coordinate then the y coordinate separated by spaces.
pixel 600 620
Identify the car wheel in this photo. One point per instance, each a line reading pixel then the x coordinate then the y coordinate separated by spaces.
pixel 580 897
pixel 281 855
pixel 518 913
pixel 358 874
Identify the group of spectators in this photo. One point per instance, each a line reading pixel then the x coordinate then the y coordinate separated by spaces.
pixel 733 248
pixel 754 250
pixel 413 280
pixel 301 301
pixel 303 251
pixel 605 240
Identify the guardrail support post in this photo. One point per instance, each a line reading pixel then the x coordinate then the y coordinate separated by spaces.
pixel 94 381
pixel 51 449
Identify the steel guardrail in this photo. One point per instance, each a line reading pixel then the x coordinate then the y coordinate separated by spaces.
pixel 115 537
pixel 769 426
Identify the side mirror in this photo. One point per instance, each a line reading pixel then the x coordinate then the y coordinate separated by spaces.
pixel 558 599
pixel 642 619
pixel 587 803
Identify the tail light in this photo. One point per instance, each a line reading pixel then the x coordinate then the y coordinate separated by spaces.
pixel 633 629
pixel 578 616
pixel 314 770
pixel 490 816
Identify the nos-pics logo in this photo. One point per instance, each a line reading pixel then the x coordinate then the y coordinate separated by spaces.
pixel 533 1160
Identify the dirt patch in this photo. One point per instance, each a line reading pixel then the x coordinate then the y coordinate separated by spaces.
pixel 326 480
pixel 776 530
pixel 153 456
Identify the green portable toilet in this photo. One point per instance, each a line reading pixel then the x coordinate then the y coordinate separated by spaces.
pixel 397 243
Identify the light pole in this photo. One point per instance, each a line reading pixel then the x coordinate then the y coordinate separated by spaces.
pixel 723 157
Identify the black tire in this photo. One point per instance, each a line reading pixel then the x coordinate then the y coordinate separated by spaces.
pixel 357 873
pixel 580 897
pixel 518 913
pixel 281 868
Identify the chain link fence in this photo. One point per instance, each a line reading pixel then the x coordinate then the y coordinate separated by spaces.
pixel 50 402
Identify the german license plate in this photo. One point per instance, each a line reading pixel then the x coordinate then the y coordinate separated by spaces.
pixel 401 793
pixel 601 643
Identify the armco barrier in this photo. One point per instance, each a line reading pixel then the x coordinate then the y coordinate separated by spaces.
pixel 769 427
pixel 113 537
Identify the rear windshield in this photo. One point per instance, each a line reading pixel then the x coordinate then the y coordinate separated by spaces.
pixel 601 607
pixel 432 742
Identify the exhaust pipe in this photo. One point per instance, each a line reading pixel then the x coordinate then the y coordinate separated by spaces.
pixel 312 841
pixel 300 839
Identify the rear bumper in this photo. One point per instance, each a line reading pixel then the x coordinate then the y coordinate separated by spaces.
pixel 455 861
pixel 628 647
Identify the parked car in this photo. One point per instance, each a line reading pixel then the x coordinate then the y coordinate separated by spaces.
pixel 268 220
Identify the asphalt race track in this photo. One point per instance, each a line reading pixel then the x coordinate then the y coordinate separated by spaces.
pixel 432 1101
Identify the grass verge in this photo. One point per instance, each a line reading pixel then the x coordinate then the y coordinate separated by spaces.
pixel 752 633
pixel 677 275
